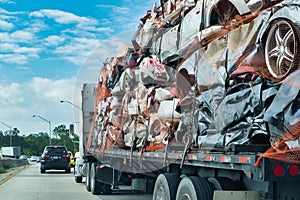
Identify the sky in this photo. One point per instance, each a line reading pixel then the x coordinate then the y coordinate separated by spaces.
pixel 49 48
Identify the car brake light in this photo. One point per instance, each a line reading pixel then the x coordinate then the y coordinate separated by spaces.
pixel 278 170
pixel 293 170
pixel 45 156
pixel 65 156
pixel 98 168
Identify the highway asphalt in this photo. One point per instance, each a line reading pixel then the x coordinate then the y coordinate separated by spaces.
pixel 10 173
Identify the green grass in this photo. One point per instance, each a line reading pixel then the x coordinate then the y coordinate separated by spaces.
pixel 2 170
pixel 7 165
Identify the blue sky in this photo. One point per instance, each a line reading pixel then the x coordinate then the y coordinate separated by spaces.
pixel 46 45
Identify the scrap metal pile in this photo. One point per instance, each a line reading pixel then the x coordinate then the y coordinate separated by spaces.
pixel 205 74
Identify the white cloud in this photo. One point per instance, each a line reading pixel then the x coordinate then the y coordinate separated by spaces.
pixel 10 94
pixel 54 40
pixel 121 10
pixel 3 11
pixel 27 50
pixel 8 47
pixel 52 89
pixel 22 36
pixel 77 50
pixel 17 37
pixel 39 96
pixel 105 30
pixel 14 58
pixel 23 68
pixel 36 26
pixel 125 17
pixel 7 17
pixel 6 26
pixel 7 2
pixel 88 31
pixel 12 53
pixel 5 37
pixel 105 21
pixel 62 17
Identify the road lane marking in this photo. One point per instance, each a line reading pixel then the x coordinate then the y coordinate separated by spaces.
pixel 12 174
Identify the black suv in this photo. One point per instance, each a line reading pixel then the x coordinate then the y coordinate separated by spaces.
pixel 55 157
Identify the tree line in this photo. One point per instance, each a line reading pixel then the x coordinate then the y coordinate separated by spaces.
pixel 34 144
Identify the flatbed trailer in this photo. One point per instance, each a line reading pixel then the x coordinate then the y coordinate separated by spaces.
pixel 246 174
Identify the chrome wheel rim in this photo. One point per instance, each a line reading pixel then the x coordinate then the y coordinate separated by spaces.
pixel 280 49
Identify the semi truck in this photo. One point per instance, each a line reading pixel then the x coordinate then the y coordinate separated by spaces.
pixel 203 104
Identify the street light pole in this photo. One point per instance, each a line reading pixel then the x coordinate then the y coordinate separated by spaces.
pixel 10 132
pixel 80 138
pixel 42 118
pixel 71 104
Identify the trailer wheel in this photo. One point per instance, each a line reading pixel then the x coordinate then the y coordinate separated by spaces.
pixel 105 188
pixel 95 185
pixel 223 183
pixel 98 187
pixel 194 187
pixel 166 186
pixel 88 177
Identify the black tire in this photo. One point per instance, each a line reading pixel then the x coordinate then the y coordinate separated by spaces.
pixel 43 171
pixel 105 189
pixel 68 170
pixel 194 188
pixel 166 186
pixel 88 177
pixel 78 179
pixel 98 187
pixel 282 49
pixel 95 185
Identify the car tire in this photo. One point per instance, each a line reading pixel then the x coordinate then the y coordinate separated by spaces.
pixel 43 171
pixel 282 49
pixel 68 170
pixel 78 179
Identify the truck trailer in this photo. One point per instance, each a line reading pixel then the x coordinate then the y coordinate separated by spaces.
pixel 12 152
pixel 203 104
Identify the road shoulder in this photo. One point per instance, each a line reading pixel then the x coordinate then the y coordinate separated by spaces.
pixel 10 173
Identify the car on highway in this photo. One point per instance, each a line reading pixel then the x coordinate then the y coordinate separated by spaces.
pixel 55 157
pixel 38 159
pixel 23 157
pixel 33 158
